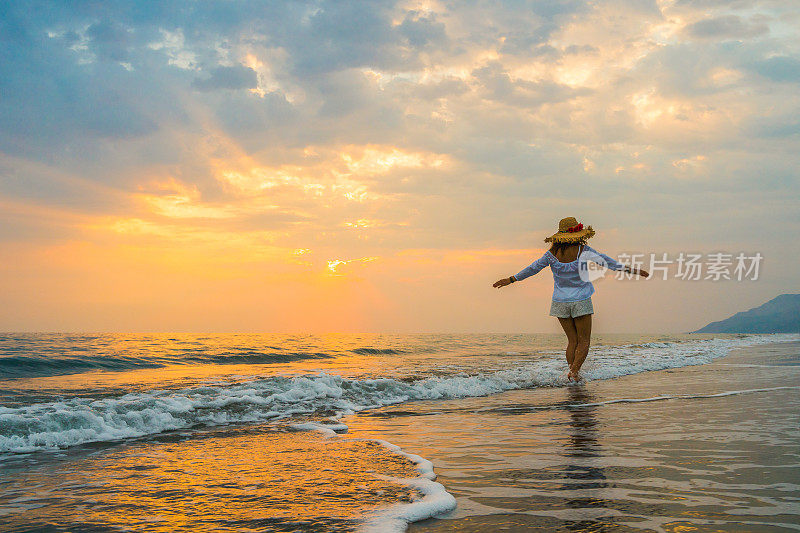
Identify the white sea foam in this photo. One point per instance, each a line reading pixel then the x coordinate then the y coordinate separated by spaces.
pixel 329 430
pixel 435 498
pixel 435 501
pixel 680 396
pixel 68 422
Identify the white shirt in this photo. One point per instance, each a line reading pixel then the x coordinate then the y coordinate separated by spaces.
pixel 568 284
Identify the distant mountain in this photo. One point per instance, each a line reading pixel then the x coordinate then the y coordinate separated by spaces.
pixel 779 315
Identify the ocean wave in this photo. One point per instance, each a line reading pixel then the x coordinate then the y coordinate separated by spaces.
pixel 376 351
pixel 41 355
pixel 73 421
pixel 26 366
pixel 37 365
pixel 250 358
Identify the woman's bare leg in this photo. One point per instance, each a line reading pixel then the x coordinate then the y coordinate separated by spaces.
pixel 583 328
pixel 568 324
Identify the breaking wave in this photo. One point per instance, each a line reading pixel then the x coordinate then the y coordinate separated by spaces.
pixel 73 421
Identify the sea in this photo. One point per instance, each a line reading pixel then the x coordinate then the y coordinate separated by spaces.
pixel 433 432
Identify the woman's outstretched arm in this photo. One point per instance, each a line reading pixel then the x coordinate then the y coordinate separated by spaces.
pixel 526 272
pixel 636 271
pixel 613 264
pixel 503 282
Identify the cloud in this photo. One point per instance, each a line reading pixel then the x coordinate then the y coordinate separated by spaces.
pixel 236 77
pixel 499 86
pixel 423 31
pixel 779 68
pixel 363 129
pixel 727 27
pixel 108 40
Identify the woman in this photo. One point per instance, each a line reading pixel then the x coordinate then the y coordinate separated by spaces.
pixel 572 303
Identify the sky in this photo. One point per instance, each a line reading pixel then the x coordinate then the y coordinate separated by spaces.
pixel 312 167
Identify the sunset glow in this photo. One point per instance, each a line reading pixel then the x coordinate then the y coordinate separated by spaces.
pixel 282 171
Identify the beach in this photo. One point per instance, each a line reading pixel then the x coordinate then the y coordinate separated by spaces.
pixel 698 448
pixel 668 433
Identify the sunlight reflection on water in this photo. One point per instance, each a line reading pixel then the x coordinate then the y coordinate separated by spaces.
pixel 224 480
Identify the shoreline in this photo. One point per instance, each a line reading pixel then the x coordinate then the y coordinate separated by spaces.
pixel 647 394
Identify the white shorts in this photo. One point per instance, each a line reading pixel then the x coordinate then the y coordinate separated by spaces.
pixel 571 309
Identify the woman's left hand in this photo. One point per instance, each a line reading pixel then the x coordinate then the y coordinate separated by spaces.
pixel 501 283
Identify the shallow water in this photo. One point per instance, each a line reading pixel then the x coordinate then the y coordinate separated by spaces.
pixel 705 448
pixel 185 435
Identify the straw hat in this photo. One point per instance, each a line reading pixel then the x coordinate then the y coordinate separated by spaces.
pixel 570 231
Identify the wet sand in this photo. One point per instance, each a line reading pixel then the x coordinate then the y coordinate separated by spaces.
pixel 715 447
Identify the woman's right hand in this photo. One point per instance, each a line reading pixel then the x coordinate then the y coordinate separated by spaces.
pixel 502 283
pixel 637 272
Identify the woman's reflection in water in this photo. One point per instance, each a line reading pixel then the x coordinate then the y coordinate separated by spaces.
pixel 583 472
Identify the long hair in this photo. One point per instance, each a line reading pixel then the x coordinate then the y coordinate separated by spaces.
pixel 561 246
